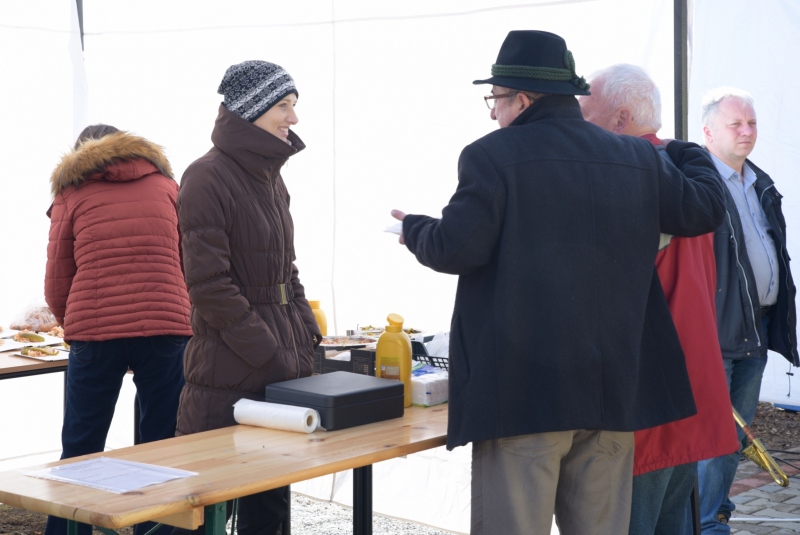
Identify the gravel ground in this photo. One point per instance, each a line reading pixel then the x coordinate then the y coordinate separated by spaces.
pixel 312 517
pixel 309 517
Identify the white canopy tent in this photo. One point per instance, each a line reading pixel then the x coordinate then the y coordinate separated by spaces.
pixel 386 104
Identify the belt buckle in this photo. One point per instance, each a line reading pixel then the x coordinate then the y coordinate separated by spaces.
pixel 284 294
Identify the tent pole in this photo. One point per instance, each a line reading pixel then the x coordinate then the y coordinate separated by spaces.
pixel 680 63
pixel 80 18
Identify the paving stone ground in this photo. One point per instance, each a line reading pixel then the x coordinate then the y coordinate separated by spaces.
pixel 757 496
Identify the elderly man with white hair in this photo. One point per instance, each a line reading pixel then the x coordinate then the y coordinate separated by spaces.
pixel 755 291
pixel 625 100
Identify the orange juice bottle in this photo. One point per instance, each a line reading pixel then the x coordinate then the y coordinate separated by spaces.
pixel 319 315
pixel 393 355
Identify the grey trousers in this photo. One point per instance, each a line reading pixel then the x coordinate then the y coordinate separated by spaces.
pixel 583 477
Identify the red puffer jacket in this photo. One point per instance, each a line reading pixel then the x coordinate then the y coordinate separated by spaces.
pixel 113 260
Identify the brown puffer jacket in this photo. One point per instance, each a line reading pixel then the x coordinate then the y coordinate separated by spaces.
pixel 252 323
pixel 113 259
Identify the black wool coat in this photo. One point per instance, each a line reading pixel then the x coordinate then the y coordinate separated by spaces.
pixel 560 321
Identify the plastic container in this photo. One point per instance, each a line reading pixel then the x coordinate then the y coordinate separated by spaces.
pixel 393 355
pixel 319 315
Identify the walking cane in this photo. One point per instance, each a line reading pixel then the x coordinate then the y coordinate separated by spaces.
pixel 758 454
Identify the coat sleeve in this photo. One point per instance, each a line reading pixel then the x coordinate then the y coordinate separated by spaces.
pixel 204 211
pixel 690 192
pixel 303 308
pixel 61 266
pixel 466 236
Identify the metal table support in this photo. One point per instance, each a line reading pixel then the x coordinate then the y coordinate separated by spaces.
pixel 362 500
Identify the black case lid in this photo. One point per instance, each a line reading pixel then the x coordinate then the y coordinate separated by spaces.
pixel 334 389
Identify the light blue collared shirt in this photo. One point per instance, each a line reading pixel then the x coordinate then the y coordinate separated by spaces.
pixel 760 247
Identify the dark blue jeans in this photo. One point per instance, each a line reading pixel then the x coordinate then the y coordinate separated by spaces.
pixel 715 476
pixel 94 379
pixel 661 502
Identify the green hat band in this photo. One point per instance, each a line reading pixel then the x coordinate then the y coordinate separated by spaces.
pixel 544 73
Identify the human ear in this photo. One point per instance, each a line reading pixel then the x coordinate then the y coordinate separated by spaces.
pixel 622 120
pixel 707 134
pixel 524 101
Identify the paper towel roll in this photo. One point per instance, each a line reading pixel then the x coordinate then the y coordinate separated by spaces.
pixel 275 416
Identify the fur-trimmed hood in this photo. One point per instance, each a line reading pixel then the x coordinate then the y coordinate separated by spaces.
pixel 95 156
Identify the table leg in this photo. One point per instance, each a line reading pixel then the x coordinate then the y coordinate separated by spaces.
pixel 215 519
pixel 137 438
pixel 362 500
pixel 287 522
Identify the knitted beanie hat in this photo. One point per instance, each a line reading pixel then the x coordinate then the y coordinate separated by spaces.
pixel 253 87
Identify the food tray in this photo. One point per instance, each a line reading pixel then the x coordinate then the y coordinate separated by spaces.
pixel 346 342
pixel 8 337
pixel 62 355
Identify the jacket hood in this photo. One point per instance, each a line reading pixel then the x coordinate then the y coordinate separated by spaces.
pixel 253 148
pixel 119 156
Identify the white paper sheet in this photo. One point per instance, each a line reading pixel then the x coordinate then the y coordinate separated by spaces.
pixel 113 475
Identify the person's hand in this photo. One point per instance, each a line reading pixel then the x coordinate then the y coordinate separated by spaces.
pixel 397 214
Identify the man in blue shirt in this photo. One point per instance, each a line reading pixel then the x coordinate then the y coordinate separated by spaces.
pixel 755 291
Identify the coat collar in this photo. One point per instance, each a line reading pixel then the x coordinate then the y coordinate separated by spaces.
pixel 255 149
pixel 550 107
pixel 118 157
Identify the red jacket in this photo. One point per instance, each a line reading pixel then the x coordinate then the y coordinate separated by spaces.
pixel 687 272
pixel 113 259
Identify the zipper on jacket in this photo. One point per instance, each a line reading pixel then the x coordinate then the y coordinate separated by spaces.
pixel 284 301
pixel 792 343
pixel 741 268
pixel 785 268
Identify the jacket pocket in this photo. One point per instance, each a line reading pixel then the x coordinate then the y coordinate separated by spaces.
pixel 535 445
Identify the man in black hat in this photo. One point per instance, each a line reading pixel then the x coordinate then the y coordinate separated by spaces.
pixel 561 341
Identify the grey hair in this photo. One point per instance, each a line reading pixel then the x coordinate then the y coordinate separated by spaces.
pixel 713 97
pixel 630 86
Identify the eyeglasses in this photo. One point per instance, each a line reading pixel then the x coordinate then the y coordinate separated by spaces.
pixel 492 99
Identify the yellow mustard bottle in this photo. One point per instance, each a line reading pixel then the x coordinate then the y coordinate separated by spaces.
pixel 393 355
pixel 319 315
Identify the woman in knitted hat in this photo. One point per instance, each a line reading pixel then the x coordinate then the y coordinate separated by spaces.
pixel 114 282
pixel 252 323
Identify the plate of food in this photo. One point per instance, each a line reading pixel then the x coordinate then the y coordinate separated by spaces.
pixel 346 342
pixel 27 338
pixel 45 353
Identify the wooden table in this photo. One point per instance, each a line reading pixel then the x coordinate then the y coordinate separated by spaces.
pixel 232 462
pixel 12 366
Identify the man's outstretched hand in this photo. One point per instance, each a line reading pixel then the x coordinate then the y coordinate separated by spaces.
pixel 397 214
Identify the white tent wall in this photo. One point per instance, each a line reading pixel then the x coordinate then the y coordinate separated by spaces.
pixel 386 105
pixel 44 97
pixel 741 43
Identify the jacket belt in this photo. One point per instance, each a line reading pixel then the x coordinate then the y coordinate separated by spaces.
pixel 280 294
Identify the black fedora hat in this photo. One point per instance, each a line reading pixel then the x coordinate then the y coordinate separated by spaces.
pixel 530 60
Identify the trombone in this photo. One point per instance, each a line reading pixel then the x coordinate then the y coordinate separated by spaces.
pixel 758 454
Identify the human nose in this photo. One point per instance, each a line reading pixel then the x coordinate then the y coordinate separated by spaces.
pixel 492 115
pixel 292 118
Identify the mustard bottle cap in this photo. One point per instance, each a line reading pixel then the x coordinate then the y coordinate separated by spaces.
pixel 395 323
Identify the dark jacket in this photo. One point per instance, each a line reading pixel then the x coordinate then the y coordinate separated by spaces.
pixel 252 324
pixel 113 260
pixel 560 321
pixel 738 315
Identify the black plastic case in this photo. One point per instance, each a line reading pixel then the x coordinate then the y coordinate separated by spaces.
pixel 343 399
